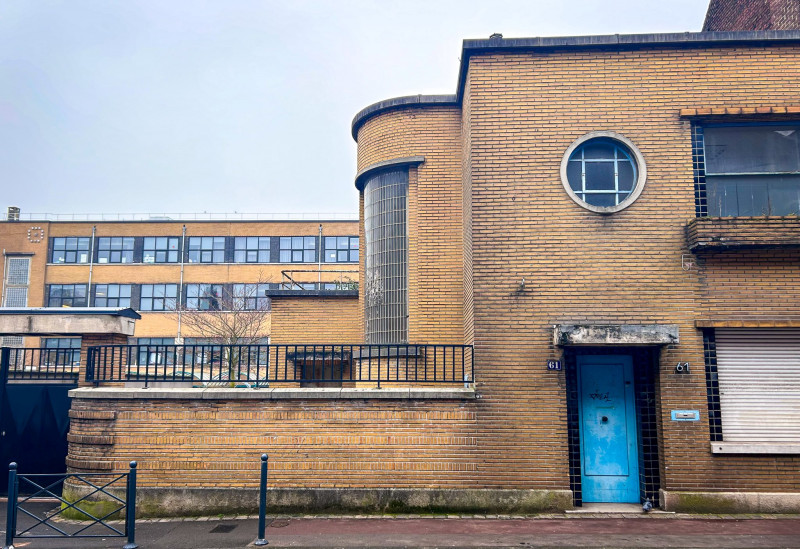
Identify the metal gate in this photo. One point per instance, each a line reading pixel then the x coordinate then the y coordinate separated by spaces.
pixel 34 408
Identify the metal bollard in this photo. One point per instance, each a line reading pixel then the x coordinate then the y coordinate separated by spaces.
pixel 130 510
pixel 11 515
pixel 262 504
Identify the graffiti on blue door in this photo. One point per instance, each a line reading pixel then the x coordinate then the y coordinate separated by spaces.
pixel 609 458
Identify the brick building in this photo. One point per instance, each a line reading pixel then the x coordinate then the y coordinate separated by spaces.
pixel 624 208
pixel 751 15
pixel 160 267
pixel 611 224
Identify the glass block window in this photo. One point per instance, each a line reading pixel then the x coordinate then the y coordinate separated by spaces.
pixel 250 297
pixel 17 270
pixel 251 249
pixel 207 249
pixel 161 249
pixel 17 275
pixel 751 170
pixel 158 297
pixel 204 297
pixel 71 249
pixel 62 350
pixel 386 285
pixel 115 249
pixel 341 249
pixel 112 295
pixel 298 249
pixel 67 295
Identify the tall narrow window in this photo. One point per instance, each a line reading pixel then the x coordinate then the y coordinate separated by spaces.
pixel 386 285
pixel 17 276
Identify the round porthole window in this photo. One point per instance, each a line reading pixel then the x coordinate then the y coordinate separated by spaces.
pixel 603 172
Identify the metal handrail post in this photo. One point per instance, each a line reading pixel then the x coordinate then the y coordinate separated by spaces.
pixel 11 512
pixel 130 509
pixel 262 504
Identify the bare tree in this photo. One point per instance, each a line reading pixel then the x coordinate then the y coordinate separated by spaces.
pixel 228 316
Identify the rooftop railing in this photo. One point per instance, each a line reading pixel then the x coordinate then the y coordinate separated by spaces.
pixel 292 365
pixel 169 216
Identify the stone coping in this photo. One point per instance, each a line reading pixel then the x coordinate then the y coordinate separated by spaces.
pixel 217 393
pixel 755 447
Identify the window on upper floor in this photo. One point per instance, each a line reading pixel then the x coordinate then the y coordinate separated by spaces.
pixel 298 249
pixel 205 297
pixel 67 295
pixel 207 249
pixel 112 295
pixel 341 249
pixel 73 249
pixel 16 283
pixel 250 297
pixel 158 297
pixel 115 249
pixel 251 249
pixel 603 172
pixel 161 249
pixel 747 170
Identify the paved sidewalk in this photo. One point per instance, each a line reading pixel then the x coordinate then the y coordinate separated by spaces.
pixel 560 530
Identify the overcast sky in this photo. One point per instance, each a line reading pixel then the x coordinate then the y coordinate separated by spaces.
pixel 237 106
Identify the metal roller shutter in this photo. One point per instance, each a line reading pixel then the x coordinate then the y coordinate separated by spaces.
pixel 759 384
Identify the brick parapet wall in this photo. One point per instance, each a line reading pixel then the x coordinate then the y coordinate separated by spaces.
pixel 365 443
pixel 328 320
pixel 725 233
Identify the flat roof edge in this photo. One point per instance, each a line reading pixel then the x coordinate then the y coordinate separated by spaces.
pixel 398 103
pixel 476 46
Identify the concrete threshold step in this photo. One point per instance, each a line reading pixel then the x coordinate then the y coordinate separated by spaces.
pixel 612 509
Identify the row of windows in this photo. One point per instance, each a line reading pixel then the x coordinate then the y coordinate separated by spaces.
pixel 205 249
pixel 162 297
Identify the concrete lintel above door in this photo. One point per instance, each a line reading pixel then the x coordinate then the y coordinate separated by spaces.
pixel 615 334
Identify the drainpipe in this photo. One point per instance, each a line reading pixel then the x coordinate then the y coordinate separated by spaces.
pixel 179 339
pixel 319 260
pixel 91 267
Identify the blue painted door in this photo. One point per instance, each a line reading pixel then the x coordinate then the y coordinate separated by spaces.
pixel 609 449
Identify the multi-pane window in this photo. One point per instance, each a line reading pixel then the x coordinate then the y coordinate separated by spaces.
pixel 251 297
pixel 207 249
pixel 750 170
pixel 601 172
pixel 112 295
pixel 161 249
pixel 71 249
pixel 341 249
pixel 298 249
pixel 155 350
pixel 67 295
pixel 251 249
pixel 17 273
pixel 62 350
pixel 204 297
pixel 115 249
pixel 158 297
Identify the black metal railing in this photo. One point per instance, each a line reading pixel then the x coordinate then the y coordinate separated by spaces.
pixel 211 365
pixel 99 499
pixel 43 363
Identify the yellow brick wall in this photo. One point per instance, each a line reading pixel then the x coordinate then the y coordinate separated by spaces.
pixel 520 113
pixel 435 255
pixel 329 320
